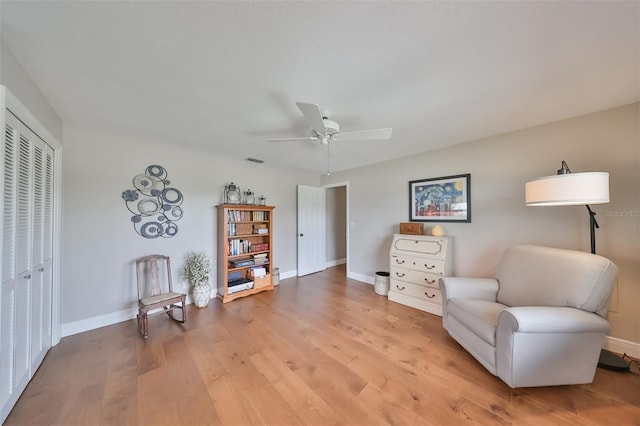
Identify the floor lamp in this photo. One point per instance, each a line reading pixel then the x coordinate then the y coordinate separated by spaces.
pixel 569 189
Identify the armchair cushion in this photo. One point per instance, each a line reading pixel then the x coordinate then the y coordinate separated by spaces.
pixel 480 316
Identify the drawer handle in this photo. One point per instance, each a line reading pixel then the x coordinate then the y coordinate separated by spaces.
pixel 400 275
pixel 27 277
pixel 399 262
pixel 429 267
pixel 398 287
pixel 430 282
pixel 430 297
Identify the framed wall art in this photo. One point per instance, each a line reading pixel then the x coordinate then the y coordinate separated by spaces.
pixel 154 205
pixel 442 199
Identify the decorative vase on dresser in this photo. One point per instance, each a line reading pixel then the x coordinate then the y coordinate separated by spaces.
pixel 417 263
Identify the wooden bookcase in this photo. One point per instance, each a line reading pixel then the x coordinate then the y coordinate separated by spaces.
pixel 242 246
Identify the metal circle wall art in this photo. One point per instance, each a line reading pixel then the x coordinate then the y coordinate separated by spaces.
pixel 155 206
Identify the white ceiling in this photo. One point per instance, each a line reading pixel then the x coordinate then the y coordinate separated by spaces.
pixel 226 75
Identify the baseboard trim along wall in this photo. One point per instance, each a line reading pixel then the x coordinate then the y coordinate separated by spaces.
pixel 80 326
pixel 332 263
pixel 361 277
pixel 622 346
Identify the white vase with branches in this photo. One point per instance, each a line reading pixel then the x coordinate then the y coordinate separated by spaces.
pixel 196 271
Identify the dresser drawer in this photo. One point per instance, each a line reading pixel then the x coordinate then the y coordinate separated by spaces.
pixel 414 277
pixel 435 248
pixel 423 293
pixel 418 264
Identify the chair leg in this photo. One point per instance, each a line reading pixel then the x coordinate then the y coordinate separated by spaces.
pixel 143 325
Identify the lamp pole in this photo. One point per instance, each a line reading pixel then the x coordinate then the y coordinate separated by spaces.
pixel 593 224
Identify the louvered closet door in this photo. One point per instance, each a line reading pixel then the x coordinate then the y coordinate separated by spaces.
pixel 41 252
pixel 16 263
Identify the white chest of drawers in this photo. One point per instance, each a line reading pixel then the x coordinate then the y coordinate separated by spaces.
pixel 417 263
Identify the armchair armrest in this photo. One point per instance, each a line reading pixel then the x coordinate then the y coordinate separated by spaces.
pixel 468 288
pixel 551 319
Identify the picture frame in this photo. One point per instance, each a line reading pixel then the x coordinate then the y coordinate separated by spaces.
pixel 441 199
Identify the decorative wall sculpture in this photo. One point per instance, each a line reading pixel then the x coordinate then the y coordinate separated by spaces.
pixel 155 205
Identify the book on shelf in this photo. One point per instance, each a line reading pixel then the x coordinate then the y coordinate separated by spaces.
pixel 260 247
pixel 257 271
pixel 243 262
pixel 237 247
pixel 239 285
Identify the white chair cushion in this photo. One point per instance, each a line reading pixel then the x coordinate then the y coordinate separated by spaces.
pixel 480 316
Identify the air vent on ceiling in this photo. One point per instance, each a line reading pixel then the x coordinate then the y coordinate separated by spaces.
pixel 255 160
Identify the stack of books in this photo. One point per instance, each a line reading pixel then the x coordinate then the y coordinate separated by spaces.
pixel 241 263
pixel 260 259
pixel 239 285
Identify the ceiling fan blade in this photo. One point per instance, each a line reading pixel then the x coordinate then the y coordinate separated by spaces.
pixel 309 138
pixel 361 135
pixel 314 117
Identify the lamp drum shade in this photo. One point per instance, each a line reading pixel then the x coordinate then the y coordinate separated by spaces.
pixel 568 189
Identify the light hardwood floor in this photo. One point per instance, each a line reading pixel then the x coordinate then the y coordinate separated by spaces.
pixel 318 350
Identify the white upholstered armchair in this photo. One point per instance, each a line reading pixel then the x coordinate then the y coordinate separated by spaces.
pixel 540 322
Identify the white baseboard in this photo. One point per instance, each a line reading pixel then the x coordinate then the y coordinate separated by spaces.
pixel 288 274
pixel 336 262
pixel 75 327
pixel 361 277
pixel 622 346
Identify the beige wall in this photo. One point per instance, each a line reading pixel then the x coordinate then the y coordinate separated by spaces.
pixel 499 167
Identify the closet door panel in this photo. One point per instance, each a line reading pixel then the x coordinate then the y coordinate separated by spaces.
pixel 39 318
pixel 23 200
pixel 7 341
pixel 10 159
pixel 48 205
pixel 47 250
pixel 8 294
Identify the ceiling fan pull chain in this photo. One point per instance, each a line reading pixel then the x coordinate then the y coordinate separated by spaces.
pixel 328 159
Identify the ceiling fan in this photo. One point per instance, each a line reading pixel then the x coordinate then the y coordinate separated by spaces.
pixel 326 130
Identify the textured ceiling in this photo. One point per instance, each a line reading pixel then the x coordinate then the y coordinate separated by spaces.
pixel 226 75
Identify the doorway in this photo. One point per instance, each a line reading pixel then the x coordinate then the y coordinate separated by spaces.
pixel 337 229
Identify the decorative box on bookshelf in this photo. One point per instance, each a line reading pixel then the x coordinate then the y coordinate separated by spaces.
pixel 245 251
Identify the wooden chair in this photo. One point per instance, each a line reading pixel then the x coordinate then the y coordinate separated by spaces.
pixel 153 295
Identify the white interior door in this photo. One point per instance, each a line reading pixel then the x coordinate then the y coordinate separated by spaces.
pixel 311 229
